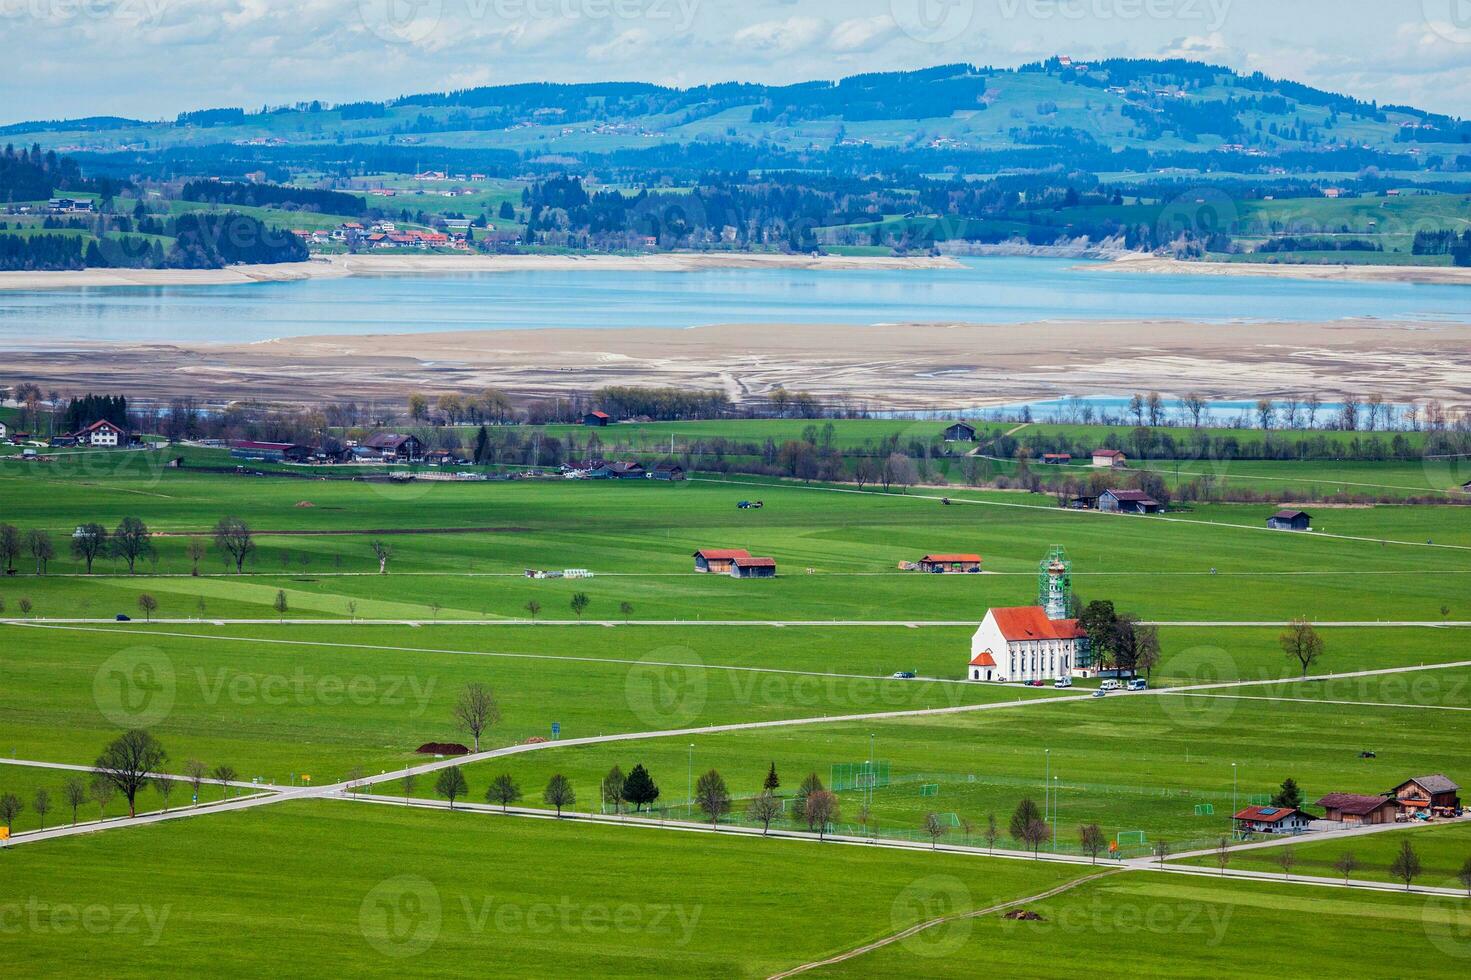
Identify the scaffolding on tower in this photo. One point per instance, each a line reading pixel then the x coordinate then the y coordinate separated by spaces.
pixel 1055 584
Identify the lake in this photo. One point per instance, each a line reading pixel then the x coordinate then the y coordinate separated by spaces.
pixel 986 290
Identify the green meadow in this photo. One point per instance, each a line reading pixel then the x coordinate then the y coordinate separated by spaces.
pixel 1443 849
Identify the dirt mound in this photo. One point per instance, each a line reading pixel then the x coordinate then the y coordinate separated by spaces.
pixel 305 503
pixel 1023 915
pixel 534 740
pixel 442 748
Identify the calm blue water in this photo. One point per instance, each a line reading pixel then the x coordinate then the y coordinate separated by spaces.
pixel 989 290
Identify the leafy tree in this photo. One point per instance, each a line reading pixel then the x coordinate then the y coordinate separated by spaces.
pixel 451 784
pixel 1146 648
pixel 503 790
pixel 147 603
pixel 811 784
pixel 232 536
pixel 764 809
pixel 1090 837
pixel 280 603
pixel 88 543
pixel 10 545
pixel 613 788
pixel 1346 865
pixel 1406 864
pixel 712 796
pixel 1099 621
pixel 10 808
pixel 935 828
pixel 24 605
pixel 559 793
pixel 1465 875
pixel 1289 796
pixel 131 540
pixel 580 603
pixel 640 789
pixel 476 710
pixel 625 609
pixel 1302 643
pixel 533 607
pixel 223 774
pixel 74 793
pixel 772 782
pixel 129 762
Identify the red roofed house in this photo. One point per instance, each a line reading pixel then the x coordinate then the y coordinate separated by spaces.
pixel 753 567
pixel 1355 810
pixel 101 433
pixel 950 563
pixel 1272 820
pixel 718 560
pixel 1022 644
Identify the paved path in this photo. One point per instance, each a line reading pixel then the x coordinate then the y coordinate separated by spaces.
pixel 885 623
pixel 67 767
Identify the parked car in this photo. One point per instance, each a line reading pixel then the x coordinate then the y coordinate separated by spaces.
pixel 124 618
pixel 904 675
pixel 1036 683
pixel 1099 693
pixel 1138 684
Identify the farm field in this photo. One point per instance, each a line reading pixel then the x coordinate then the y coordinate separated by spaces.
pixel 1143 924
pixel 1443 850
pixel 388 889
pixel 1127 762
pixel 24 781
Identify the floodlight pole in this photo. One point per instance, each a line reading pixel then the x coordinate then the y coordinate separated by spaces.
pixel 1054 814
pixel 689 788
pixel 1233 796
pixel 1047 790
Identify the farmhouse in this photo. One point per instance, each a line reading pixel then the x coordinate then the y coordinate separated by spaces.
pixel 596 418
pixel 1057 459
pixel 960 432
pixel 625 471
pixel 718 560
pixel 1290 520
pixel 666 471
pixel 950 563
pixel 1355 810
pixel 1435 795
pixel 391 445
pixel 101 433
pixel 749 567
pixel 1108 457
pixel 1272 820
pixel 1128 502
pixel 1022 644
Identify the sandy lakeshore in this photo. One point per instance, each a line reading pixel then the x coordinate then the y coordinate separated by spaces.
pixel 898 366
pixel 338 266
pixel 1430 275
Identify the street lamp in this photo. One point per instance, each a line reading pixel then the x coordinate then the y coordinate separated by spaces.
pixel 1054 814
pixel 1047 789
pixel 1233 796
pixel 689 789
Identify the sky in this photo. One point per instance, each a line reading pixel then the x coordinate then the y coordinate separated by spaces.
pixel 150 59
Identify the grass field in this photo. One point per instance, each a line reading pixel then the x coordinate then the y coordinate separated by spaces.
pixel 1142 924
pixel 24 781
pixel 1443 851
pixel 376 890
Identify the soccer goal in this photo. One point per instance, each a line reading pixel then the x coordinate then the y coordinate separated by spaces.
pixel 1130 837
pixel 929 789
pixel 1205 809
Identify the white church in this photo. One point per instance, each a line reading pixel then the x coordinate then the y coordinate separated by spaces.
pixel 1033 643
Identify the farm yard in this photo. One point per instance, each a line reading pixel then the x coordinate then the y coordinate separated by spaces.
pixel 364 612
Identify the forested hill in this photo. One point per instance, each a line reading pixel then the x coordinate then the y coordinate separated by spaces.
pixel 1095 115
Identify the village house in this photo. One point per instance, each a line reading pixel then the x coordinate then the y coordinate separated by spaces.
pixel 748 567
pixel 950 563
pixel 1435 795
pixel 1355 810
pixel 1128 502
pixel 1108 457
pixel 625 471
pixel 1272 820
pixel 666 471
pixel 717 561
pixel 1290 520
pixel 596 418
pixel 392 445
pixel 960 432
pixel 101 433
pixel 1021 644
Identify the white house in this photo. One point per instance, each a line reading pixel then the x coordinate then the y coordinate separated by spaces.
pixel 4 432
pixel 101 433
pixel 1108 457
pixel 1022 644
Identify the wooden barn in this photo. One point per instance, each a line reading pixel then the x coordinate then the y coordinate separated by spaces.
pixel 960 432
pixel 1108 457
pixel 1291 520
pixel 1435 794
pixel 666 471
pixel 753 568
pixel 718 561
pixel 1128 502
pixel 1355 810
pixel 1057 459
pixel 950 563
pixel 597 419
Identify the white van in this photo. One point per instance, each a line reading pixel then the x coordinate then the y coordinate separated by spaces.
pixel 1063 682
pixel 1109 685
pixel 1138 684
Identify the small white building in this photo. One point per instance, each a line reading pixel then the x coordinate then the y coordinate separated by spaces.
pixel 101 433
pixel 4 432
pixel 1022 644
pixel 1108 457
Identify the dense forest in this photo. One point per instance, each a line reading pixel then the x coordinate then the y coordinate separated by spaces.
pixel 272 195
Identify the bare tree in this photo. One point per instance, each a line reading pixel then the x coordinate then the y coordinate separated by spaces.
pixel 102 791
pixel 503 790
pixel 129 762
pixel 1223 854
pixel 233 536
pixel 10 545
pixel 712 796
pixel 194 770
pixel 934 829
pixel 10 808
pixel 1406 864
pixel 1161 850
pixel 165 787
pixel 626 610
pixel 224 775
pixel 1090 837
pixel 1346 865
pixel 409 780
pixel 196 551
pixel 1195 405
pixel 1302 643
pixel 1464 875
pixel 992 833
pixel 131 540
pixel 382 552
pixel 42 804
pixel 764 809
pixel 147 603
pixel 280 603
pixel 476 710
pixel 89 541
pixel 1286 860
pixel 822 809
pixel 533 607
pixel 74 793
pixel 41 548
pixel 559 793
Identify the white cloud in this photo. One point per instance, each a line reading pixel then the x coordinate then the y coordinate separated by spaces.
pixel 863 33
pixel 626 45
pixel 780 36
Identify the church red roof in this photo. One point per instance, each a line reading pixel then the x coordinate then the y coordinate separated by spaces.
pixel 1031 623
